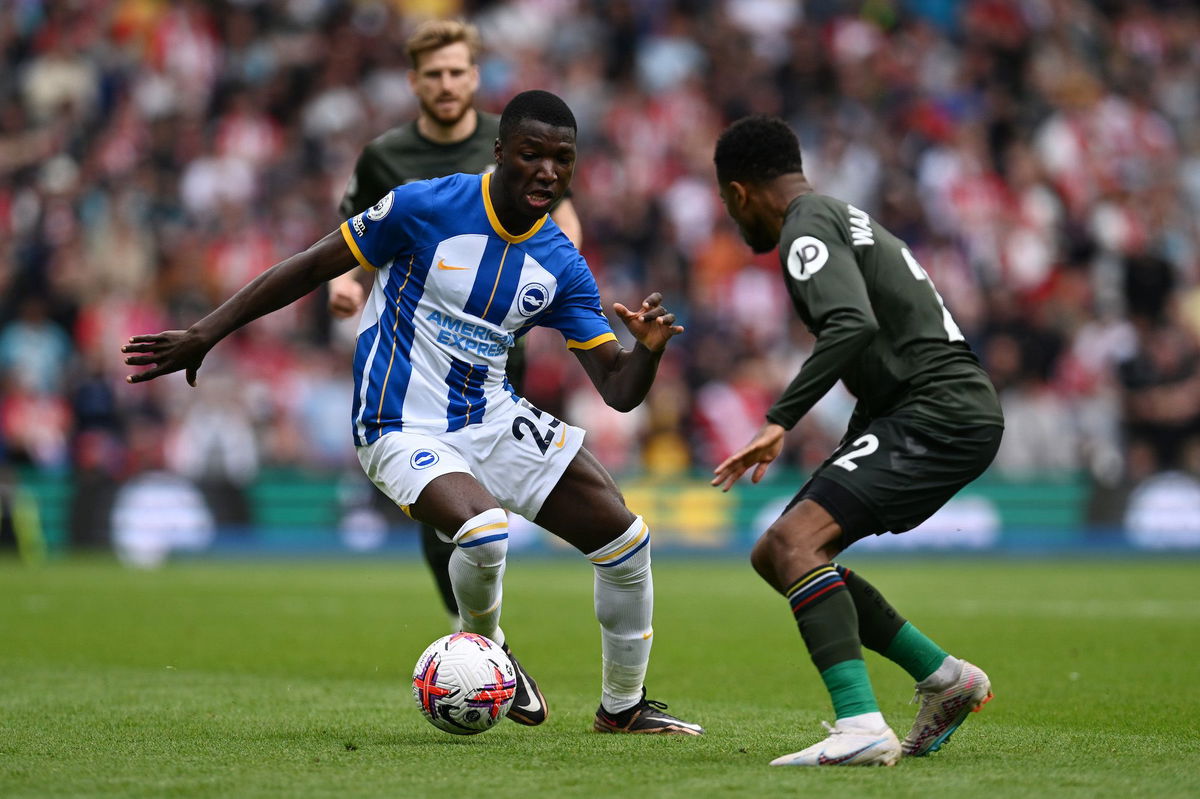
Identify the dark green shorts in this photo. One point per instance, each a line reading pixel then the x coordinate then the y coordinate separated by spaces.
pixel 897 472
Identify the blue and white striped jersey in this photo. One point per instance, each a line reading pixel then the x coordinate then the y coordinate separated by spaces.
pixel 453 291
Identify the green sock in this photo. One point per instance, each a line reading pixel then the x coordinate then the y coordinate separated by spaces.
pixel 850 688
pixel 914 652
pixel 824 612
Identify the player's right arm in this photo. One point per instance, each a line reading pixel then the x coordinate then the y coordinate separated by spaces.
pixel 762 450
pixel 823 271
pixel 369 239
pixel 277 287
pixel 346 291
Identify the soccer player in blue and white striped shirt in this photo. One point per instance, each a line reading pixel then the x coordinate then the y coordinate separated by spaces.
pixel 464 265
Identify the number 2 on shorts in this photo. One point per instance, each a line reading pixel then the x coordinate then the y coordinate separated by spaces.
pixel 542 442
pixel 865 446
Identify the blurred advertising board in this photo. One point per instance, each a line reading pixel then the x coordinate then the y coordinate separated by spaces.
pixel 154 514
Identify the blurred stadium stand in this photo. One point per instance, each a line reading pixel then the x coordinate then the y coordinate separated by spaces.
pixel 1041 158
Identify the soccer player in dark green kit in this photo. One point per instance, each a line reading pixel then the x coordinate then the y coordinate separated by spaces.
pixel 927 422
pixel 448 136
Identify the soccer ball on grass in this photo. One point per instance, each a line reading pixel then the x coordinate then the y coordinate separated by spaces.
pixel 464 683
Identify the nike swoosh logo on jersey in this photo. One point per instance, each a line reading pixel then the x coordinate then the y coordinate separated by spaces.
pixel 443 265
pixel 562 439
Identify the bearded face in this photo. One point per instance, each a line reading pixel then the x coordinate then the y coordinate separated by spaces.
pixel 444 83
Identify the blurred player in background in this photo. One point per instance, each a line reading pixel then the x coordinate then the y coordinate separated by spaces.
pixel 927 423
pixel 448 136
pixel 464 265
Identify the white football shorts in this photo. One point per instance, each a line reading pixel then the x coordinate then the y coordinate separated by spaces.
pixel 518 454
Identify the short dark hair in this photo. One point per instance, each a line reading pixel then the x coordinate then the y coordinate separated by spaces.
pixel 539 106
pixel 756 149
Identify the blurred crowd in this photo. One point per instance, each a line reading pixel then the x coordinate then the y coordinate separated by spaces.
pixel 1040 157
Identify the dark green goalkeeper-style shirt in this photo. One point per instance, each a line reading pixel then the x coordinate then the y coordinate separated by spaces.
pixel 881 326
pixel 403 155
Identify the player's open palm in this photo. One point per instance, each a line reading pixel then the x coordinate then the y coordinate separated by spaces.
pixel 169 351
pixel 651 324
pixel 760 453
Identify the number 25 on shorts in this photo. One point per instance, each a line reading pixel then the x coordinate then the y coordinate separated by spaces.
pixel 543 441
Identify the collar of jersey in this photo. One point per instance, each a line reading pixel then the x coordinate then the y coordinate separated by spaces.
pixel 495 220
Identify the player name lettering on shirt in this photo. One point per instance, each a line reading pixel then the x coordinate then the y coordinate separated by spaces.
pixel 470 337
pixel 860 227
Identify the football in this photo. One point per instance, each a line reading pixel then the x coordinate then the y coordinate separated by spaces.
pixel 464 683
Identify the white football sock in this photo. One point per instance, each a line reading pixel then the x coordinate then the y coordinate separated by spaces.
pixel 945 675
pixel 868 722
pixel 624 597
pixel 477 572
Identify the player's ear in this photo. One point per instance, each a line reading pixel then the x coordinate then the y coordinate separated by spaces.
pixel 738 193
pixel 496 150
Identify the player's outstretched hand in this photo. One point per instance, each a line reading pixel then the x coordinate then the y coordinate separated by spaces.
pixel 169 351
pixel 346 296
pixel 652 324
pixel 760 452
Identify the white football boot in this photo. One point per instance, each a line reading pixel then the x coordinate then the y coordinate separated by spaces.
pixel 847 746
pixel 941 712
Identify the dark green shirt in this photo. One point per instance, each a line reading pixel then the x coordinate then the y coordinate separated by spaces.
pixel 880 324
pixel 403 155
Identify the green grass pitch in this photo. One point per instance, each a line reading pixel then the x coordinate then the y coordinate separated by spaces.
pixel 243 679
